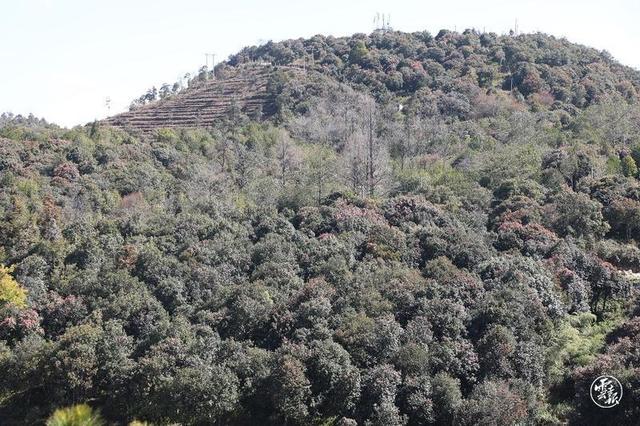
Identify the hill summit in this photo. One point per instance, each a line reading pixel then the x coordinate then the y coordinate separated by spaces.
pixel 453 74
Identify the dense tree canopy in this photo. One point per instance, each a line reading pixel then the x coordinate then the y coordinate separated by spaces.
pixel 430 230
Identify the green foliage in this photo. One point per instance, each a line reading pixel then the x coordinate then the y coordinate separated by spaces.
pixel 629 167
pixel 578 340
pixel 614 166
pixel 576 214
pixel 358 53
pixel 77 415
pixel 11 292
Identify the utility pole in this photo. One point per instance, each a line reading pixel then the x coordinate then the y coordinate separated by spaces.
pixel 213 62
pixel 213 59
pixel 305 58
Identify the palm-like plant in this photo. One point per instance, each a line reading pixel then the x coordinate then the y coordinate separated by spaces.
pixel 76 415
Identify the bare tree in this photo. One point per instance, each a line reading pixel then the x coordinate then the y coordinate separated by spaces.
pixel 354 165
pixel 350 123
pixel 288 156
pixel 320 169
pixel 365 156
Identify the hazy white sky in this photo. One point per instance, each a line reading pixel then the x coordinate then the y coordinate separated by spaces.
pixel 60 59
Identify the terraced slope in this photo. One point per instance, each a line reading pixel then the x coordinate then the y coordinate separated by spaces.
pixel 243 88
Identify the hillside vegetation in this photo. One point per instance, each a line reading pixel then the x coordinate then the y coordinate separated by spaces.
pixel 414 230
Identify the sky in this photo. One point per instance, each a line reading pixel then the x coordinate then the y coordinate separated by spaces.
pixel 61 59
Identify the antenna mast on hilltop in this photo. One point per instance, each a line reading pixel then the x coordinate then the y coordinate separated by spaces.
pixel 382 22
pixel 107 103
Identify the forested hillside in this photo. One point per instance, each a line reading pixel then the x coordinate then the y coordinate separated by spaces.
pixel 418 230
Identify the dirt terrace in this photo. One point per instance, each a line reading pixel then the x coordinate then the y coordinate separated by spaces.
pixel 242 89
